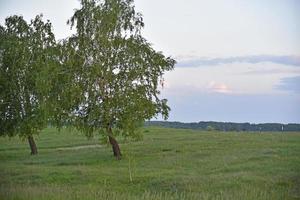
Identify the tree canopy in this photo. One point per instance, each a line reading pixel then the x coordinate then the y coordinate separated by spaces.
pixel 113 72
pixel 106 78
pixel 25 52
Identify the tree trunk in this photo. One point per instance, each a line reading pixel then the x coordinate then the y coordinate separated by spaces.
pixel 115 145
pixel 32 145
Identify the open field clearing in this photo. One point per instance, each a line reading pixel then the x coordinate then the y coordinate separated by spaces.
pixel 167 164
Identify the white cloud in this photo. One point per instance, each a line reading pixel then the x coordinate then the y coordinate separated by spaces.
pixel 192 61
pixel 218 87
pixel 232 78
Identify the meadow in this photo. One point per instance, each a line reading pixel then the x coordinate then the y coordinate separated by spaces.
pixel 166 164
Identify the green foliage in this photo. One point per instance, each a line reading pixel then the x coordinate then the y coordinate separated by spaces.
pixel 210 128
pixel 167 164
pixel 106 75
pixel 111 74
pixel 25 53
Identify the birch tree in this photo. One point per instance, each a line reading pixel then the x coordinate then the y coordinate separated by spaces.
pixel 113 73
pixel 26 52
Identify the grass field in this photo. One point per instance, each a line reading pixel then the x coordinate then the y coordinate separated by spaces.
pixel 167 164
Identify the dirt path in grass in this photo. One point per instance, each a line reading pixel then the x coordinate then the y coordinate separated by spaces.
pixel 79 147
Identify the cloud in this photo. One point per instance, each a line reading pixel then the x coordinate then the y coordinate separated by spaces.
pixel 289 84
pixel 235 78
pixel 285 60
pixel 218 87
pixel 272 70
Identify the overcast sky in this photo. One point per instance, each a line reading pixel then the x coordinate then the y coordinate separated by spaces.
pixel 238 60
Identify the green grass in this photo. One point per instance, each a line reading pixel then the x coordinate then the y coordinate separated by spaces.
pixel 167 164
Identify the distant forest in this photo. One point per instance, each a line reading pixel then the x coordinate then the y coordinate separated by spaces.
pixel 226 126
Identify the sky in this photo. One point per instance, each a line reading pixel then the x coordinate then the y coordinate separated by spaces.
pixel 237 60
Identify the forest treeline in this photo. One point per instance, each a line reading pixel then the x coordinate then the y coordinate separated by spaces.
pixel 227 126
